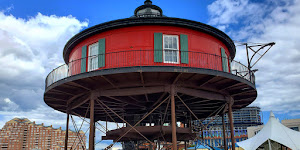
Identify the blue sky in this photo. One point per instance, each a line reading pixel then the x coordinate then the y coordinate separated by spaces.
pixel 33 34
pixel 101 11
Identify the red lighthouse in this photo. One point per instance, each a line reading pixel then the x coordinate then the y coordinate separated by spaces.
pixel 150 72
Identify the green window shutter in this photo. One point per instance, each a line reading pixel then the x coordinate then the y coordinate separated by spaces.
pixel 229 69
pixel 158 47
pixel 184 49
pixel 224 60
pixel 83 59
pixel 101 52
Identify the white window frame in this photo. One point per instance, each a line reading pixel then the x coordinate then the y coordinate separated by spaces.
pixel 90 57
pixel 176 36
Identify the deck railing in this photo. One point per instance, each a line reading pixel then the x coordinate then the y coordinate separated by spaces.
pixel 135 58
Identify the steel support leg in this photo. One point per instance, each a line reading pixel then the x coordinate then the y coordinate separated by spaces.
pixel 269 143
pixel 67 131
pixel 150 146
pixel 173 118
pixel 158 144
pixel 224 133
pixel 231 124
pixel 92 126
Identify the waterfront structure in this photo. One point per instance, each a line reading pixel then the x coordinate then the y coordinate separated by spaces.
pixel 274 135
pixel 22 134
pixel 242 119
pixel 149 71
pixel 293 124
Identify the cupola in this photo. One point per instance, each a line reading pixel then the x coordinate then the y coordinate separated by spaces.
pixel 148 10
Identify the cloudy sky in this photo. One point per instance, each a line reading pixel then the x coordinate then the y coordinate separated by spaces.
pixel 33 34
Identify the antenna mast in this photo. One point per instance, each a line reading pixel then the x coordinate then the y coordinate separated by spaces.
pixel 255 48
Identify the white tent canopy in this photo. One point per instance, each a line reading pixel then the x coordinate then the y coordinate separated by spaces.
pixel 275 131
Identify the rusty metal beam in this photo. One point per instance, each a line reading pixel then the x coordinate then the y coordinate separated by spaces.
pixel 230 103
pixel 132 127
pixel 125 101
pixel 78 134
pixel 57 105
pixel 53 98
pixel 69 101
pixel 224 133
pixel 133 91
pixel 243 92
pixel 205 102
pixel 143 83
pixel 245 99
pixel 159 99
pixel 207 80
pixel 133 98
pixel 67 131
pixel 79 102
pixel 108 114
pixel 191 76
pixel 56 102
pixel 73 83
pixel 174 80
pixel 173 118
pixel 112 84
pixel 236 84
pixel 92 125
pixel 75 126
pixel 201 93
pixel 60 91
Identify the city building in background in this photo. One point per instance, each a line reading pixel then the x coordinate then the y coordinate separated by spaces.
pixel 290 123
pixel 22 134
pixel 274 135
pixel 243 118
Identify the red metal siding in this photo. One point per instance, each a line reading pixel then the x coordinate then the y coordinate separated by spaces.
pixel 75 62
pixel 133 46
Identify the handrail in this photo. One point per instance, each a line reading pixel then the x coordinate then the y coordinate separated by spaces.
pixel 134 58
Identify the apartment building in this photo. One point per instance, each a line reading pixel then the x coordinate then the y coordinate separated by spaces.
pixel 22 134
pixel 243 118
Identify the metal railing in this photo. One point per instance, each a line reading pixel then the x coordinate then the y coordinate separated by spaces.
pixel 134 58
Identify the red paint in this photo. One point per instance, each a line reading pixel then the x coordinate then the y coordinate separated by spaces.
pixel 121 46
pixel 74 61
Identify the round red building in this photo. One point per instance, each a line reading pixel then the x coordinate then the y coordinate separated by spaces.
pixel 120 70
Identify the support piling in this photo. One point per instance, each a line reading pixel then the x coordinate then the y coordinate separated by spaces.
pixel 92 126
pixel 67 131
pixel 173 117
pixel 231 123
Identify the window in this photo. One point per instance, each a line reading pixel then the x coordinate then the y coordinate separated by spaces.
pixel 295 128
pixel 148 12
pixel 171 51
pixel 93 57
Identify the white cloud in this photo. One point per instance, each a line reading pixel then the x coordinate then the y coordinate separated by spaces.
pixel 278 77
pixel 29 50
pixel 8 105
pixel 224 12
